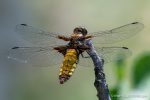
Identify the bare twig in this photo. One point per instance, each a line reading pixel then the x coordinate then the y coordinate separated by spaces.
pixel 100 85
pixel 100 81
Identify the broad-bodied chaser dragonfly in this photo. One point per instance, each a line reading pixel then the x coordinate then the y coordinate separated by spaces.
pixel 50 48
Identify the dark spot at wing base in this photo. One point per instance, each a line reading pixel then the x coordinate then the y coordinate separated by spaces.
pixel 135 22
pixel 24 24
pixel 124 47
pixel 15 48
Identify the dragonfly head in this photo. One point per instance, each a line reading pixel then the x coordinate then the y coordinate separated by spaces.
pixel 80 30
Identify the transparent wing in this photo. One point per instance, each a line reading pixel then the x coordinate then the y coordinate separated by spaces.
pixel 109 54
pixel 35 56
pixel 37 36
pixel 117 34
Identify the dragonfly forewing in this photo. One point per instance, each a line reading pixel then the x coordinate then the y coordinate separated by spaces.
pixel 117 34
pixel 37 36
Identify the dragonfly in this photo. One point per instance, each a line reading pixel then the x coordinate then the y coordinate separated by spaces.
pixel 68 50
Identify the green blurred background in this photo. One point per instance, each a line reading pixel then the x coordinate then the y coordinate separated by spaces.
pixel 127 79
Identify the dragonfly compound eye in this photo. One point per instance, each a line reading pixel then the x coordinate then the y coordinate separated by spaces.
pixel 81 30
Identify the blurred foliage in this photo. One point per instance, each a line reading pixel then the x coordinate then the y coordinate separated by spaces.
pixel 113 93
pixel 141 69
pixel 120 74
pixel 120 69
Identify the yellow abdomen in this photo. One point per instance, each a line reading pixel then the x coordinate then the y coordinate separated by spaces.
pixel 68 66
